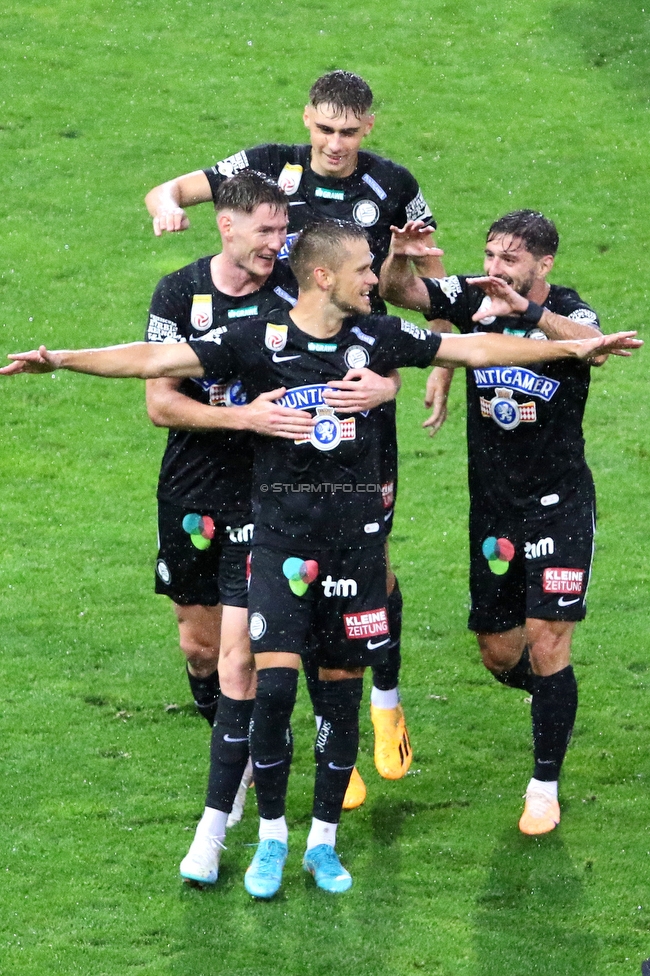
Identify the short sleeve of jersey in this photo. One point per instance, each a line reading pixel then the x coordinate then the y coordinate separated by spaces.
pixel 568 303
pixel 217 355
pixel 454 300
pixel 269 159
pixel 412 205
pixel 169 308
pixel 402 343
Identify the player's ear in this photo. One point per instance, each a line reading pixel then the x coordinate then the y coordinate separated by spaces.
pixel 306 116
pixel 368 124
pixel 545 264
pixel 322 278
pixel 224 223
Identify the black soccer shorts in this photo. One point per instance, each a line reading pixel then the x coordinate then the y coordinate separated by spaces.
pixel 331 603
pixel 523 566
pixel 190 572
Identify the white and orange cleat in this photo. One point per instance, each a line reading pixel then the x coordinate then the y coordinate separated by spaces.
pixel 541 813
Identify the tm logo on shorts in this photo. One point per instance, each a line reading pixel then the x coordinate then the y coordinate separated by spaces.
pixel 368 624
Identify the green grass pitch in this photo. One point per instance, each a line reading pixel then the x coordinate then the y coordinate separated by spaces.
pixel 494 105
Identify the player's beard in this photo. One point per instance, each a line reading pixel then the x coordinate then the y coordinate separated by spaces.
pixel 347 306
pixel 521 287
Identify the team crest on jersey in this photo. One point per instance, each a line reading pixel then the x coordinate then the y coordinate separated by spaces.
pixel 227 394
pixel 356 357
pixel 506 412
pixel 290 177
pixel 276 337
pixel 366 213
pixel 329 430
pixel 201 315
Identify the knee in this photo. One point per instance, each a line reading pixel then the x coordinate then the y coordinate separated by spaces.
pixel 202 657
pixel 498 654
pixel 237 672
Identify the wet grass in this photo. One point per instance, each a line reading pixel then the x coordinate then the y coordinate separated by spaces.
pixel 493 106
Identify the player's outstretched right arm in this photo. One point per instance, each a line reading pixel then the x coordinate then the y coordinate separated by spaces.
pixel 166 202
pixel 143 360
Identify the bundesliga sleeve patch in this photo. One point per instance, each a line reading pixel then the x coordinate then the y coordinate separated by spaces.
pixel 559 580
pixel 358 626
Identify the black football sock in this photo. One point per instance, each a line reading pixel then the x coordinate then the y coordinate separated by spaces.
pixel 205 692
pixel 555 703
pixel 385 672
pixel 270 738
pixel 519 676
pixel 228 752
pixel 310 667
pixel 336 746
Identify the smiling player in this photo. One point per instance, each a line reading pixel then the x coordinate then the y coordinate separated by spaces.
pixel 333 177
pixel 532 501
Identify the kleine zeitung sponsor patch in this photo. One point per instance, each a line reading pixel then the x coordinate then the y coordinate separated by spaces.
pixel 559 580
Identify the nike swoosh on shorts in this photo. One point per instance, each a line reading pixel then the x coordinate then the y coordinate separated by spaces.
pixel 567 603
pixel 372 646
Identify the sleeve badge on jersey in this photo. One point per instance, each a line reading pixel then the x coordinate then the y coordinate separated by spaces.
pixel 163 330
pixel 201 315
pixel 276 336
pixel 506 412
pixel 450 287
pixel 290 177
pixel 232 164
pixel 417 209
pixel 584 315
pixel 366 213
pixel 329 430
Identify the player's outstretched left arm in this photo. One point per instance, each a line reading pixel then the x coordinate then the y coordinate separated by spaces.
pixel 143 360
pixel 361 389
pixel 491 349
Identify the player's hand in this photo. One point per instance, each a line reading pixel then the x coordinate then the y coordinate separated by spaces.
pixel 37 361
pixel 172 219
pixel 503 300
pixel 360 390
pixel 436 394
pixel 264 416
pixel 615 344
pixel 414 240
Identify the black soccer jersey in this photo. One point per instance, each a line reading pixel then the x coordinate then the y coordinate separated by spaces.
pixel 524 426
pixel 379 193
pixel 210 469
pixel 324 490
